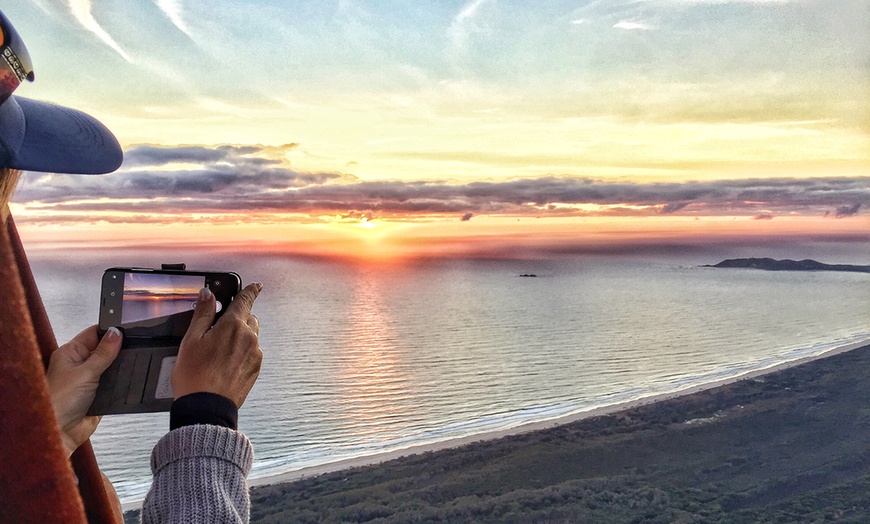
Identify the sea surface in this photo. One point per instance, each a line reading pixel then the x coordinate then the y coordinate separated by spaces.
pixel 363 359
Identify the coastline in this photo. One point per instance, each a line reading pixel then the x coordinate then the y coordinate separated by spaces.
pixel 788 445
pixel 371 460
pixel 312 472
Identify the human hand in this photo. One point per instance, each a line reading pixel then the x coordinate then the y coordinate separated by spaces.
pixel 225 358
pixel 73 376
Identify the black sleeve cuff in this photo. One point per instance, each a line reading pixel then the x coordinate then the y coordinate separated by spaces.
pixel 203 408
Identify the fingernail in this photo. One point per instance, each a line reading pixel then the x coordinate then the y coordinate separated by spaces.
pixel 204 294
pixel 259 286
pixel 113 333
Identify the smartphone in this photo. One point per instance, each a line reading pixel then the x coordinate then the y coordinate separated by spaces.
pixel 158 303
pixel 153 309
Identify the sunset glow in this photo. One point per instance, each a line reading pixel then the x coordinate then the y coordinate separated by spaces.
pixel 366 131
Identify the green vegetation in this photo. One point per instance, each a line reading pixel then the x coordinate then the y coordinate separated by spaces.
pixel 788 447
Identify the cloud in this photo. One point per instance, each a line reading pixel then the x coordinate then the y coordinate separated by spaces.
pixel 256 179
pixel 81 10
pixel 719 2
pixel 672 208
pixel 172 10
pixel 155 155
pixel 367 216
pixel 466 217
pixel 231 172
pixel 631 26
pixel 763 216
pixel 847 211
pixel 464 23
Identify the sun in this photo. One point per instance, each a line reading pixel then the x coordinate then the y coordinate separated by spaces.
pixel 365 223
pixel 359 238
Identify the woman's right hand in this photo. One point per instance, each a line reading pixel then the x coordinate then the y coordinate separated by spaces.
pixel 225 358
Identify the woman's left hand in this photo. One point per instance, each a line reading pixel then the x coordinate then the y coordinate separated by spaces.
pixel 73 376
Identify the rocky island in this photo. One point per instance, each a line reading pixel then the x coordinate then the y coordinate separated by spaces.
pixel 769 264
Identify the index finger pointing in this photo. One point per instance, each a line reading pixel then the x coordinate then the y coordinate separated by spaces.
pixel 243 302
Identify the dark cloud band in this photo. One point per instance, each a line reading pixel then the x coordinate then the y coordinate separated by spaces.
pixel 242 179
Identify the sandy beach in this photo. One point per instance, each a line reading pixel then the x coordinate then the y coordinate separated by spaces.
pixel 605 443
pixel 782 444
pixel 536 426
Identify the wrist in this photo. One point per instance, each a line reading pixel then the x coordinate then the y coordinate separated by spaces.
pixel 69 444
pixel 203 408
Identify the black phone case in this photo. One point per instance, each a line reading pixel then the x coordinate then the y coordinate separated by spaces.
pixel 137 380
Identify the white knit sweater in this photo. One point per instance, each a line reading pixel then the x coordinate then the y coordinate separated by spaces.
pixel 200 475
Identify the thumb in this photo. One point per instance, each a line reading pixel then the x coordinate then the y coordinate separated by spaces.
pixel 203 315
pixel 106 351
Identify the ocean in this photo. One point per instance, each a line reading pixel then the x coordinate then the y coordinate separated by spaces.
pixel 365 359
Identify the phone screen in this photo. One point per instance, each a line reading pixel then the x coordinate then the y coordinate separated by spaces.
pixel 147 303
pixel 159 305
pixel 150 296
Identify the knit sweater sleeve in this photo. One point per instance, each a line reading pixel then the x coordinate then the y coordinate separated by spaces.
pixel 200 475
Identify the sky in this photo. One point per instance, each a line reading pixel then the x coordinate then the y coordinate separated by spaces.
pixel 383 130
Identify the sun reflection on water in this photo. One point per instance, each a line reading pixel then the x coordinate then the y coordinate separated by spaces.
pixel 375 388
